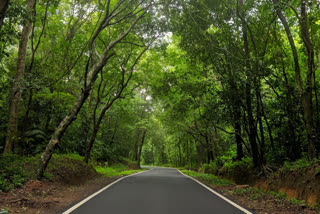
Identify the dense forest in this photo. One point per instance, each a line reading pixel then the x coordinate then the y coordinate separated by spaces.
pixel 204 83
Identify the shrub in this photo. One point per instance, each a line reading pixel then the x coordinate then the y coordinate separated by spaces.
pixel 245 164
pixel 14 171
pixel 211 168
pixel 301 163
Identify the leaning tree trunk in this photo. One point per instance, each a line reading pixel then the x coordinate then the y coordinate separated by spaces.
pixel 17 87
pixel 96 125
pixel 90 78
pixel 59 131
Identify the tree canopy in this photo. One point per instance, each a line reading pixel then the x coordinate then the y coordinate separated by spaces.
pixel 161 82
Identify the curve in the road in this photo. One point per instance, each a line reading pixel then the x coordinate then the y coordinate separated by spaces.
pixel 157 191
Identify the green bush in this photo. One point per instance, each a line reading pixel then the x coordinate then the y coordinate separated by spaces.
pixel 245 164
pixel 299 164
pixel 115 170
pixel 211 168
pixel 207 178
pixel 15 170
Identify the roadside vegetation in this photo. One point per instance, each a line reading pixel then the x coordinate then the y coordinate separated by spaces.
pixel 116 170
pixel 254 198
pixel 64 168
pixel 207 178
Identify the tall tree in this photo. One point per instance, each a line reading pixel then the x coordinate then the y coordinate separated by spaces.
pixel 304 94
pixel 122 11
pixel 112 97
pixel 18 83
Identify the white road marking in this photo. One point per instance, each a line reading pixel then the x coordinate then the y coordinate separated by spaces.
pixel 217 194
pixel 98 192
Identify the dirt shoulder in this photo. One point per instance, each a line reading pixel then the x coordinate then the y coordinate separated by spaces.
pixel 48 197
pixel 262 202
pixel 254 199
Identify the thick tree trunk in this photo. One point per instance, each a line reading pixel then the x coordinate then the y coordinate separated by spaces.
pixel 3 10
pixel 18 84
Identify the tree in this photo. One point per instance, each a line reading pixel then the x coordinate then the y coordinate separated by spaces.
pixel 112 16
pixel 17 87
pixel 113 96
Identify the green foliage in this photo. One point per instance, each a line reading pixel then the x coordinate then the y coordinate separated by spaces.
pixel 207 178
pixel 188 91
pixel 73 156
pixel 212 167
pixel 15 170
pixel 245 164
pixel 297 202
pixel 116 170
pixel 299 164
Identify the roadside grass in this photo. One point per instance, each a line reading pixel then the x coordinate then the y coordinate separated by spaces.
pixel 16 170
pixel 208 178
pixel 116 170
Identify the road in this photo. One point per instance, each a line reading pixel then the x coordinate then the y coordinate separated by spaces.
pixel 157 191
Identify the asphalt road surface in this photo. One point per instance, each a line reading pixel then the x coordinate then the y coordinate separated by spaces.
pixel 157 191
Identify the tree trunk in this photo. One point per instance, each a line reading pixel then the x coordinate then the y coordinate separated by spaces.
pixel 237 130
pixel 267 123
pixel 136 145
pixel 305 98
pixel 98 62
pixel 308 111
pixel 140 147
pixel 18 84
pixel 293 148
pixel 251 122
pixel 252 129
pixel 91 142
pixel 259 119
pixel 59 131
pixel 25 124
pixel 3 10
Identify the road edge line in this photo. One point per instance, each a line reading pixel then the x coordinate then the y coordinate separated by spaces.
pixel 218 194
pixel 74 207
